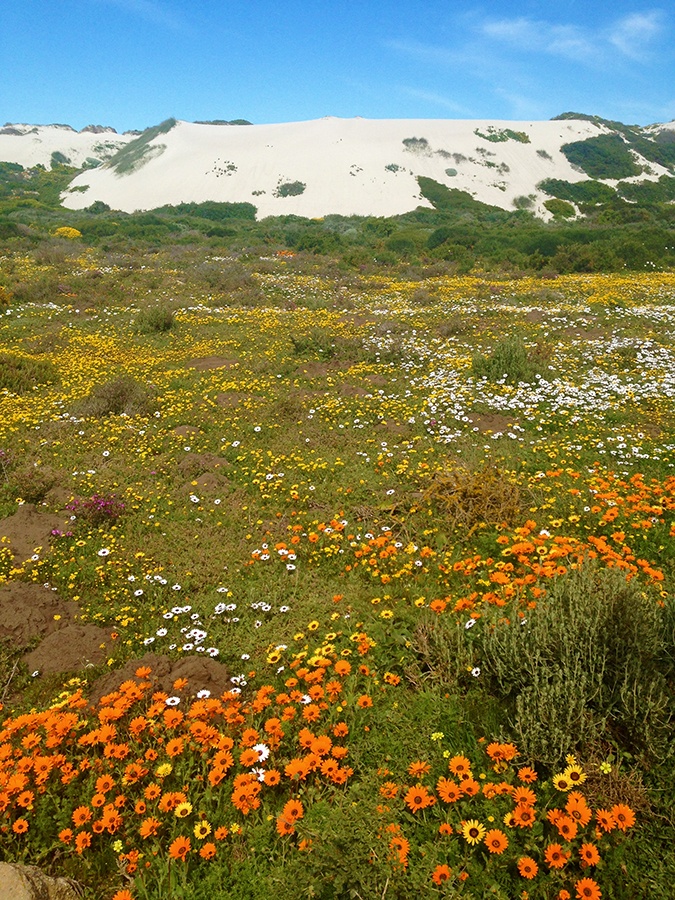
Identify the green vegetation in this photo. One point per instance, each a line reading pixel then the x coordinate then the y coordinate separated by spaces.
pixel 499 135
pixel 290 189
pixel 604 156
pixel 137 152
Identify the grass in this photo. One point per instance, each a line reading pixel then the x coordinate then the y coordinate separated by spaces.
pixel 354 481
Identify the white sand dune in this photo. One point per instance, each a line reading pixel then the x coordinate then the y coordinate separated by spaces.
pixel 32 145
pixel 347 166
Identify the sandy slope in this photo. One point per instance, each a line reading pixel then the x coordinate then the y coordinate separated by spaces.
pixel 348 166
pixel 36 143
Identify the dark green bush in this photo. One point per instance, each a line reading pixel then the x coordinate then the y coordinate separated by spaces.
pixel 604 156
pixel 121 395
pixel 511 360
pixel 20 374
pixel 155 319
pixel 586 665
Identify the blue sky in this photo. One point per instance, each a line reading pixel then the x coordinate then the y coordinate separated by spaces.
pixel 133 63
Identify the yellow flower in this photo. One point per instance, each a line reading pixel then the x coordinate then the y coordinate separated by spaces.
pixel 313 625
pixel 182 810
pixel 473 832
pixel 202 829
pixel 163 770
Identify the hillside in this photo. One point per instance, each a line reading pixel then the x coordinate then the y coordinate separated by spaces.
pixel 357 166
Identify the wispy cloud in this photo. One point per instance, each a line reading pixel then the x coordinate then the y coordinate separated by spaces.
pixel 437 100
pixel 634 34
pixel 151 10
pixel 631 35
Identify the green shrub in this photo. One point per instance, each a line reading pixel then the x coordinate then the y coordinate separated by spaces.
pixel 290 189
pixel 155 319
pixel 560 209
pixel 578 191
pixel 139 151
pixel 585 665
pixel 604 156
pixel 21 374
pixel 122 395
pixel 510 360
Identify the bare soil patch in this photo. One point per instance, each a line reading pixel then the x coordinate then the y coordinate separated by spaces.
pixel 204 363
pixel 492 423
pixel 29 528
pixel 70 649
pixel 202 673
pixel 28 611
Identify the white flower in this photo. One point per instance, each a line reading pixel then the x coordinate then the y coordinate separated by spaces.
pixel 172 701
pixel 475 672
pixel 217 502
pixel 257 428
pixel 245 656
pixel 131 578
pixel 470 624
pixel 203 695
pixel 221 590
pixel 104 551
pixel 212 651
pixel 161 632
pixel 138 593
pixel 175 587
pixel 35 673
pixel 290 567
pixel 262 750
pixel 194 498
pixel 149 640
pixel 106 452
pixel 187 647
pixel 220 608
pixel 168 615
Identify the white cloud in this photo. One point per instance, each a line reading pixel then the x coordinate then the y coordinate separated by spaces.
pixel 633 33
pixel 438 100
pixel 150 10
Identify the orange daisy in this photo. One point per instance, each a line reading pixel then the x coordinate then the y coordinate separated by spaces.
pixel 527 867
pixel 496 841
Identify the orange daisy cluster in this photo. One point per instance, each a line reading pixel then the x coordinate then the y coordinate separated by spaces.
pixel 137 764
pixel 568 839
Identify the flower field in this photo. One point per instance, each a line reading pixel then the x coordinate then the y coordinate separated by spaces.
pixel 376 576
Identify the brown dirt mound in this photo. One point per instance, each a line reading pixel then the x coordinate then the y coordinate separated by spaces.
pixel 201 672
pixel 194 464
pixel 211 362
pixel 28 611
pixel 29 528
pixel 69 649
pixel 492 422
pixel 186 431
pixel 208 483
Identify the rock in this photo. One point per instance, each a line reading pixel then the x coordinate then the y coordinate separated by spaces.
pixel 18 882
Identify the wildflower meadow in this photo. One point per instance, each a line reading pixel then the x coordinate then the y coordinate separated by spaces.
pixel 323 583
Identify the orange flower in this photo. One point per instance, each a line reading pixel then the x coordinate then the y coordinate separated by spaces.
pixel 524 816
pixel 623 816
pixel 104 784
pixel 341 729
pixel 174 747
pixel 249 758
pixel 417 769
pixel 578 809
pixel 152 792
pixel 66 835
pixel 81 815
pixel 272 777
pixel 449 791
pixel 20 826
pixel 149 827
pixel 587 889
pixel 555 856
pixel 589 855
pixel 293 810
pixel 605 820
pixel 527 775
pixel 440 874
pixel 527 867
pixel 567 827
pixel 124 894
pixel 284 827
pixel 364 701
pixel 221 833
pixel 389 789
pixel 208 850
pixel 82 841
pixel 460 766
pixel 496 841
pixel 418 797
pixel 524 795
pixel 179 848
pixel 445 828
